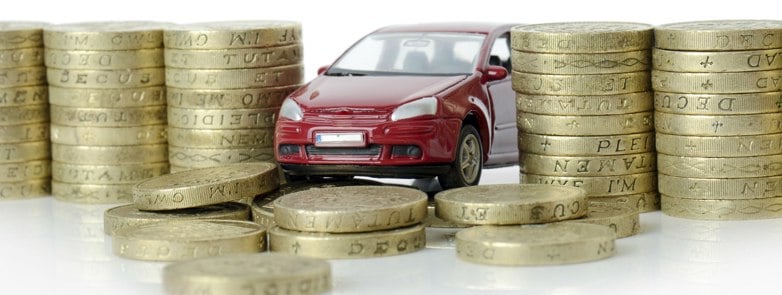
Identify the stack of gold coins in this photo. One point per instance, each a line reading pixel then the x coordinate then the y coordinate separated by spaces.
pixel 717 101
pixel 108 109
pixel 585 109
pixel 24 131
pixel 226 82
pixel 349 222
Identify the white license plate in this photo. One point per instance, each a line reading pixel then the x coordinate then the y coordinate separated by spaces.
pixel 339 139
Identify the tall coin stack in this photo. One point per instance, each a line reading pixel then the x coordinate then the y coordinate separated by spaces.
pixel 25 167
pixel 585 109
pixel 108 109
pixel 226 82
pixel 719 126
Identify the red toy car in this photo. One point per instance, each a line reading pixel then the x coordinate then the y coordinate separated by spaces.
pixel 408 101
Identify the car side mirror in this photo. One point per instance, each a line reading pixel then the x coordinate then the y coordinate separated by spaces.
pixel 323 69
pixel 494 73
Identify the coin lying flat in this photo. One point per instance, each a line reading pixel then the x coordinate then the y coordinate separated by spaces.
pixel 602 84
pixel 25 189
pixel 267 273
pixel 85 154
pixel 21 57
pixel 604 145
pixel 24 96
pixel 585 125
pixel 623 220
pixel 580 64
pixel 117 218
pixel 510 204
pixel 234 58
pixel 110 35
pixel 221 138
pixel 582 37
pixel 719 35
pixel 265 97
pixel 643 202
pixel 717 104
pixel 107 97
pixel 199 187
pixel 21 34
pixel 350 209
pixel 719 146
pixel 24 151
pixel 584 105
pixel 188 239
pixel 210 157
pixel 738 82
pixel 546 244
pixel 587 165
pixel 233 34
pixel 722 209
pixel 104 59
pixel 717 61
pixel 722 125
pixel 739 167
pixel 600 185
pixel 720 188
pixel 108 136
pixel 92 193
pixel 348 245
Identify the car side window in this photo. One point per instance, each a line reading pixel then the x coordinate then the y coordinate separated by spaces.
pixel 500 52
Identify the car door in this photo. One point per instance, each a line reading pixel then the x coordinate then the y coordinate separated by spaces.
pixel 504 148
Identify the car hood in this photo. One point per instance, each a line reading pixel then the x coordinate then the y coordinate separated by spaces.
pixel 378 93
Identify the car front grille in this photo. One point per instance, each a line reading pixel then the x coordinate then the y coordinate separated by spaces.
pixel 372 150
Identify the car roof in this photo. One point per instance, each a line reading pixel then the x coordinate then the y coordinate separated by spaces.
pixel 462 27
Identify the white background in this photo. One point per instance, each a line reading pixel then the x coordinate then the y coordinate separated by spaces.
pixel 49 247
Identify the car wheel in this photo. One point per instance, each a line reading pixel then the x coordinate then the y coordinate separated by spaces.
pixel 466 168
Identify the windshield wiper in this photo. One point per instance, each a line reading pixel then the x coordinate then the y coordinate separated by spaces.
pixel 344 73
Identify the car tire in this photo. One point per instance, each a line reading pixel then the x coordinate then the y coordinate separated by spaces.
pixel 468 164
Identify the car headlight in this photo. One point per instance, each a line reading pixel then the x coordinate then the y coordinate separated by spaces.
pixel 291 110
pixel 421 107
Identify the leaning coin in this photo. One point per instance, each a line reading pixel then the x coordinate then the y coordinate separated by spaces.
pixel 546 244
pixel 117 218
pixel 264 97
pixel 604 145
pixel 581 64
pixel 718 104
pixel 267 273
pixel 107 97
pixel 584 105
pixel 25 189
pixel 717 125
pixel 600 185
pixel 233 34
pixel 585 125
pixel 643 202
pixel 720 146
pixel 188 239
pixel 717 61
pixel 22 57
pixel 104 59
pixel 108 136
pixel 349 209
pixel 748 209
pixel 719 35
pixel 739 167
pixel 623 220
pixel 112 35
pixel 501 204
pixel 21 34
pixel 587 165
pixel 348 245
pixel 237 58
pixel 601 84
pixel 235 78
pixel 205 186
pixel 582 37
pixel 713 83
pixel 720 188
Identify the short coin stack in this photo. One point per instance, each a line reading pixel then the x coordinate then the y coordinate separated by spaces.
pixel 226 82
pixel 25 167
pixel 585 109
pixel 108 109
pixel 349 222
pixel 717 100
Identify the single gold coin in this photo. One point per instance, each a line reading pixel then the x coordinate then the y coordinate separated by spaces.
pixel 267 273
pixel 717 61
pixel 738 167
pixel 108 117
pixel 582 37
pixel 258 98
pixel 720 188
pixel 21 57
pixel 22 171
pixel 599 84
pixel 643 202
pixel 719 146
pixel 581 63
pixel 210 157
pixel 585 125
pixel 218 138
pixel 502 204
pixel 24 115
pixel 121 78
pixel 719 35
pixel 200 187
pixel 221 119
pixel 717 125
pixel 237 58
pixel 235 78
pixel 20 77
pixel 106 173
pixel 104 59
pixel 124 216
pixel 24 151
pixel 587 165
pixel 86 154
pixel 350 209
pixel 23 96
pixel 748 209
pixel 110 35
pixel 584 105
pixel 623 220
pixel 177 240
pixel 107 98
pixel 233 34
pixel 348 245
pixel 25 189
pixel 603 145
pixel 24 132
pixel 718 104
pixel 544 244
pixel 714 83
pixel 608 186
pixel 108 136
pixel 85 193
pixel 21 34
